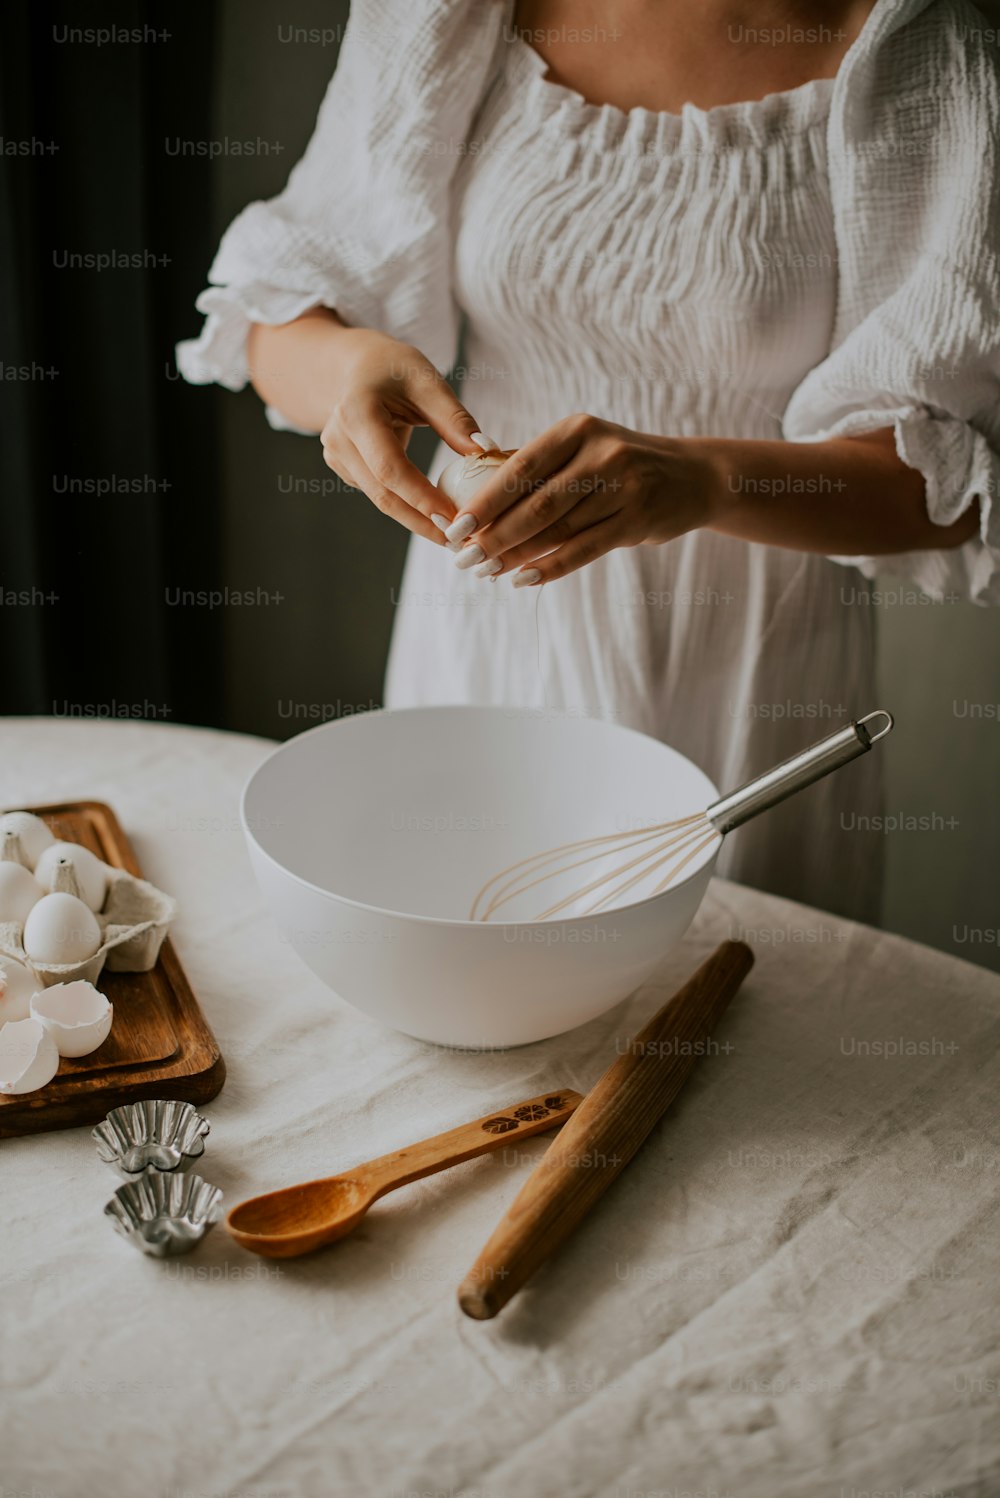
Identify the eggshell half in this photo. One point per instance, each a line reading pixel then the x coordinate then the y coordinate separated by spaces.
pixel 17 986
pixel 91 872
pixel 28 1056
pixel 76 1015
pixel 33 832
pixel 61 928
pixel 19 891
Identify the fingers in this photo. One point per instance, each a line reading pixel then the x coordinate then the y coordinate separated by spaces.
pixel 360 440
pixel 523 472
pixel 582 518
pixel 578 551
pixel 352 468
pixel 364 439
pixel 445 414
pixel 429 400
pixel 490 558
pixel 382 454
pixel 574 499
pixel 363 426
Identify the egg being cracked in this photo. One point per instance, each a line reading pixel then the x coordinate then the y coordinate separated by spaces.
pixel 463 478
pixel 61 928
pixel 32 832
pixel 28 1056
pixel 91 873
pixel 19 892
pixel 17 986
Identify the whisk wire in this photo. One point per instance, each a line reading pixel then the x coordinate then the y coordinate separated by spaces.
pixel 710 838
pixel 530 866
pixel 675 844
pixel 670 855
pixel 648 863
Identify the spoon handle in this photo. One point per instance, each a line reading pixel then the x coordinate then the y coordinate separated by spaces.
pixel 491 1132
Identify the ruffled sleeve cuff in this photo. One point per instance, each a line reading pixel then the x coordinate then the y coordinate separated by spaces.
pixel 959 467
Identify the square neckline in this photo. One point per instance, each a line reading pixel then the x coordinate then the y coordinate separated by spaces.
pixel 801 105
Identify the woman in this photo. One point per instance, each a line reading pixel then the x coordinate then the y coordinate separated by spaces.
pixel 732 294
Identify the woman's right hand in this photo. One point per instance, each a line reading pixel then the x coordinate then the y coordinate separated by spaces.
pixel 383 390
pixel 366 392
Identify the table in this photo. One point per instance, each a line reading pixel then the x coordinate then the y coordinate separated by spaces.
pixel 790 1293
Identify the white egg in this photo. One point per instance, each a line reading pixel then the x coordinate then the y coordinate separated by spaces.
pixel 461 479
pixel 19 891
pixel 61 928
pixel 28 1056
pixel 17 986
pixel 91 873
pixel 34 834
pixel 76 1015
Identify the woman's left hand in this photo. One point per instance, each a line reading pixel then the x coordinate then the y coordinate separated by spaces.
pixel 580 489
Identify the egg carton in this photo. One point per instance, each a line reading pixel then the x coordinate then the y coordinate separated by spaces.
pixel 134 921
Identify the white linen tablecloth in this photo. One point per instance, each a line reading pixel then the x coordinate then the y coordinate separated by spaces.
pixel 790 1293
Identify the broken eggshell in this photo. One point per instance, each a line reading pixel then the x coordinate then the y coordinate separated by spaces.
pixel 29 1056
pixel 73 869
pixel 17 986
pixel 23 837
pixel 76 1015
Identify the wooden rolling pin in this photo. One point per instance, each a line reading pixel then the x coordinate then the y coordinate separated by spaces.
pixel 603 1134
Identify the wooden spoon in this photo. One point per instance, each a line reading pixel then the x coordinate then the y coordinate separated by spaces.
pixel 616 1116
pixel 284 1224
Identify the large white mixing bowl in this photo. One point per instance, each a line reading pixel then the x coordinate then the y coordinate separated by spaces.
pixel 370 836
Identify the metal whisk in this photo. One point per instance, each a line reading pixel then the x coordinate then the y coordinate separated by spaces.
pixel 668 848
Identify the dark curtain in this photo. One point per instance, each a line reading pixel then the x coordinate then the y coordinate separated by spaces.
pixel 108 462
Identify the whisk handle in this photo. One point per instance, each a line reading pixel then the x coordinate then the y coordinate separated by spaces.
pixel 765 791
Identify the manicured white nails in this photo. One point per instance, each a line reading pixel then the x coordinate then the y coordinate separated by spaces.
pixel 462 527
pixel 488 444
pixel 475 556
pixel 457 531
pixel 442 522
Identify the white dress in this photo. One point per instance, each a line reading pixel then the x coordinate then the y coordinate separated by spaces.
pixel 756 270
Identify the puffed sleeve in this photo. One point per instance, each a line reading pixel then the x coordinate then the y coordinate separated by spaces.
pixel 363 225
pixel 914 172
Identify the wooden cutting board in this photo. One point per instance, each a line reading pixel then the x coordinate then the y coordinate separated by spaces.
pixel 160 1043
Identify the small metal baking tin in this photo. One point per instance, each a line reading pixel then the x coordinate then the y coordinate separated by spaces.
pixel 163 1133
pixel 164 1215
